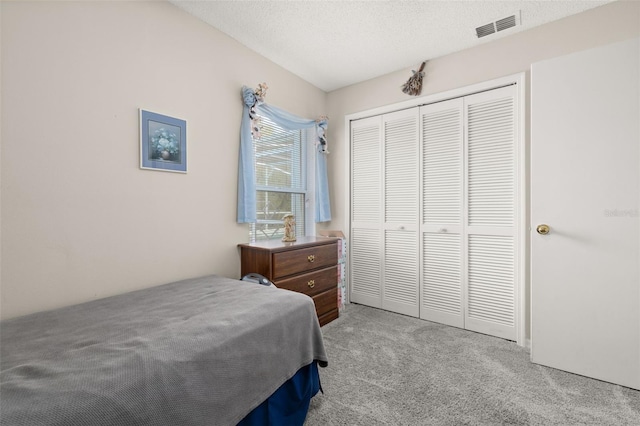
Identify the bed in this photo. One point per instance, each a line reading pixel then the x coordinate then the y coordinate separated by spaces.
pixel 203 351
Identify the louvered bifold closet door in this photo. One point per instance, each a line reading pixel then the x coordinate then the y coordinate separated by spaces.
pixel 491 153
pixel 442 204
pixel 401 185
pixel 366 211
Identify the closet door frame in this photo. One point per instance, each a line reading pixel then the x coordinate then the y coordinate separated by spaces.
pixel 522 195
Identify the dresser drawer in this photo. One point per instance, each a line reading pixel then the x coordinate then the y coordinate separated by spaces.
pixel 326 302
pixel 302 260
pixel 311 283
pixel 328 317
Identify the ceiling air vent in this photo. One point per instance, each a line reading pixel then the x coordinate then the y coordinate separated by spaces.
pixel 506 23
pixel 485 30
pixel 499 25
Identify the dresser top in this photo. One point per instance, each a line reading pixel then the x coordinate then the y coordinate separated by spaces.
pixel 277 245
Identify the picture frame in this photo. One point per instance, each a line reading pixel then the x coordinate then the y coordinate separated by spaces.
pixel 163 142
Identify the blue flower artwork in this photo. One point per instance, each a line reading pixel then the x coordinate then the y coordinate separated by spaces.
pixel 163 144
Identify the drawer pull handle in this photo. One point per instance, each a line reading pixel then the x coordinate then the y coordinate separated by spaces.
pixel 311 258
pixel 311 283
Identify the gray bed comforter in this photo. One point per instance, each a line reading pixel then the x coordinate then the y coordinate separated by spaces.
pixel 203 351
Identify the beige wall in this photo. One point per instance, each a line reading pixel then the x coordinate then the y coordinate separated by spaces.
pixel 506 56
pixel 80 220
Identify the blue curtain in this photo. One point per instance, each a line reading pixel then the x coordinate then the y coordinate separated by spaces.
pixel 246 171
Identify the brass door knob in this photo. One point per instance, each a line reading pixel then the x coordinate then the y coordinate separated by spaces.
pixel 543 229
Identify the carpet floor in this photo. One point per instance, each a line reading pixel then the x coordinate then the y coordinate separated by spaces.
pixel 390 369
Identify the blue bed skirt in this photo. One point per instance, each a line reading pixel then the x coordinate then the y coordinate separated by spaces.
pixel 289 404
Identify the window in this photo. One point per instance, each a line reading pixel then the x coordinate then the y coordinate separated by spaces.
pixel 281 166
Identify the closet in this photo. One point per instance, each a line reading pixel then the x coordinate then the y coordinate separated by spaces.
pixel 435 211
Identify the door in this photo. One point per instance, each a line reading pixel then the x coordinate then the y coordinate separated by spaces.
pixel 491 211
pixel 585 185
pixel 442 206
pixel 470 206
pixel 384 212
pixel 366 212
pixel 400 285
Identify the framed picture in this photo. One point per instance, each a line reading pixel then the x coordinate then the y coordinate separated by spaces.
pixel 163 142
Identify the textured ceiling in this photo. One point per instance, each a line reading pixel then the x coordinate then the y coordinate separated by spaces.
pixel 333 44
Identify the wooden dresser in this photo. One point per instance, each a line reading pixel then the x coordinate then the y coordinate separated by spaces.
pixel 309 266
